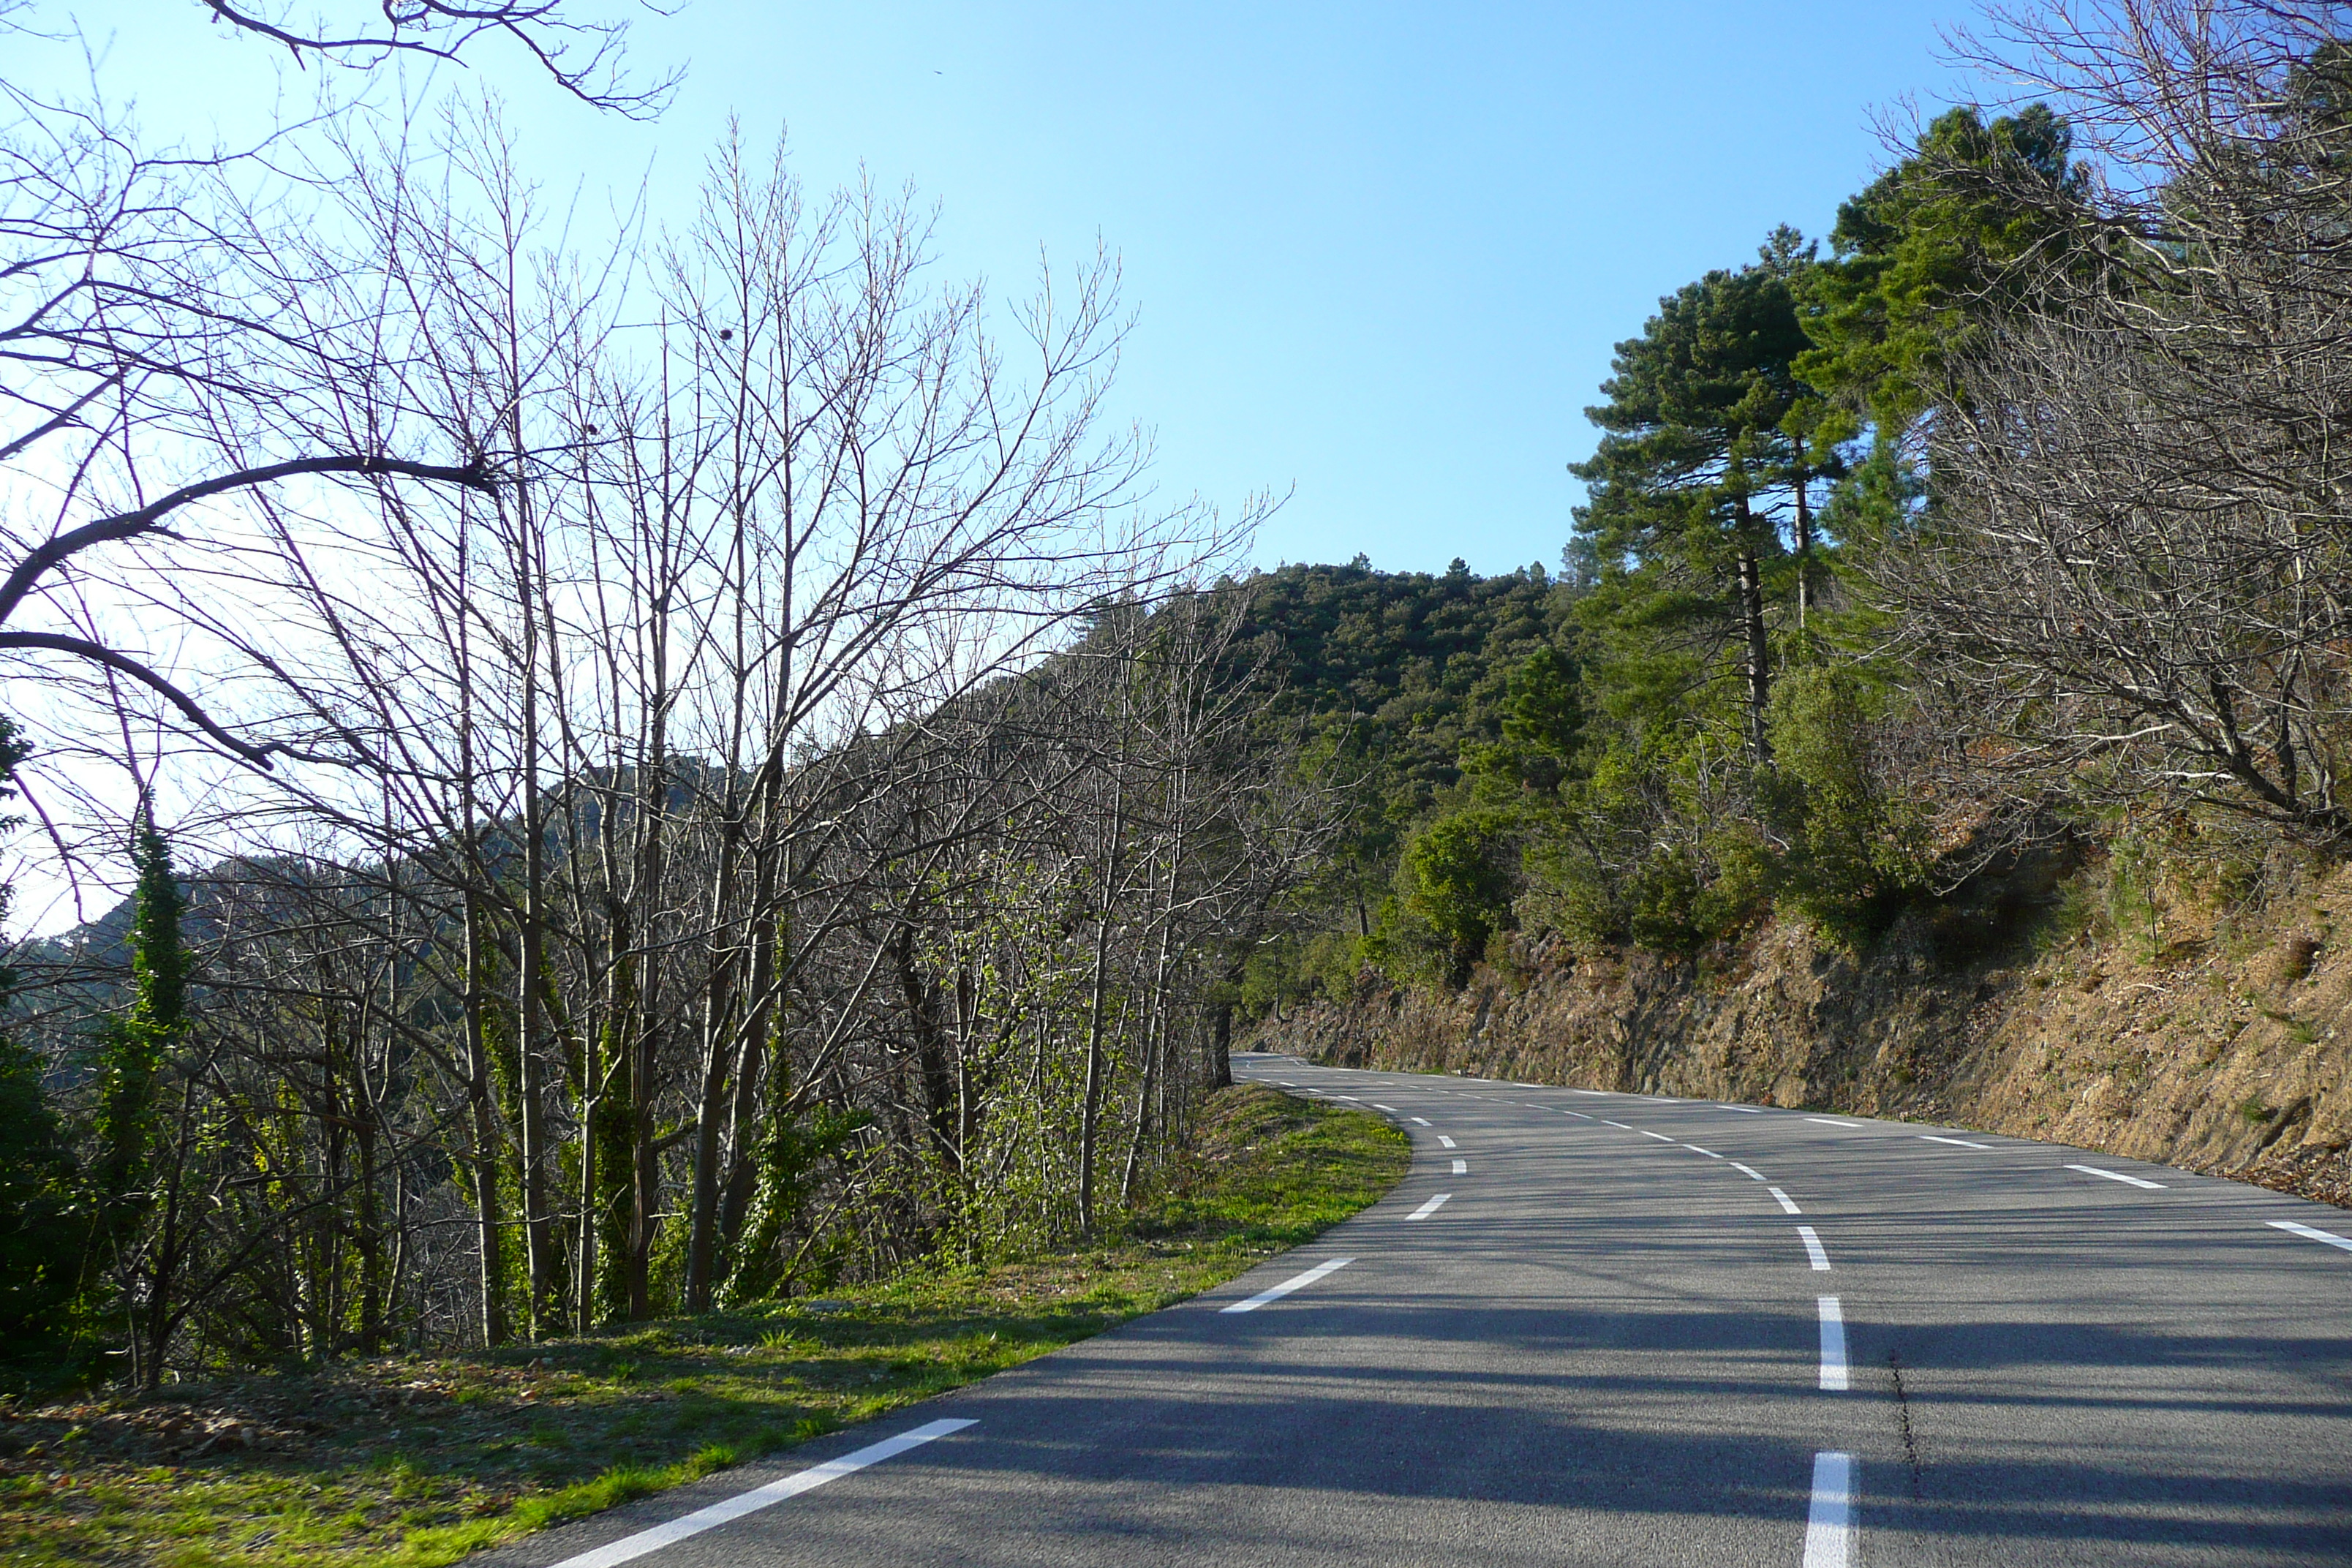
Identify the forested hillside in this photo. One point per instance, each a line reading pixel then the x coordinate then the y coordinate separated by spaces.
pixel 1948 597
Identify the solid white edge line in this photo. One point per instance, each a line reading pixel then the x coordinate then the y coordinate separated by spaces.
pixel 2119 1176
pixel 1829 1523
pixel 1431 1207
pixel 1934 1138
pixel 2310 1233
pixel 1753 1172
pixel 1420 1121
pixel 630 1547
pixel 1461 1167
pixel 1443 1140
pixel 1815 1249
pixel 1834 1375
pixel 1296 1282
pixel 1788 1203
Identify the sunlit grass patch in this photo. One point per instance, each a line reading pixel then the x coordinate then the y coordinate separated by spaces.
pixel 414 1461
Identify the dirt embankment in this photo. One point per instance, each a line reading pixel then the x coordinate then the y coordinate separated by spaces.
pixel 2217 1044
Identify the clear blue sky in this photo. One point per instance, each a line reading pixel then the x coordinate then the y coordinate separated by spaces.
pixel 1380 252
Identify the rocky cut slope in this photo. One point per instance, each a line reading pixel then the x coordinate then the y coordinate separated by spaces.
pixel 2214 1042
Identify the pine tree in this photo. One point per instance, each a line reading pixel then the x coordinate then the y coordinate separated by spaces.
pixel 1705 463
pixel 1928 251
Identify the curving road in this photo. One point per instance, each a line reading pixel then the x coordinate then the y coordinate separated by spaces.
pixel 1608 1329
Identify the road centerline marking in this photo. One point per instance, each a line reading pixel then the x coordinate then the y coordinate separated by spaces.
pixel 1431 1207
pixel 1390 1109
pixel 1833 1374
pixel 1659 1136
pixel 1296 1282
pixel 2310 1233
pixel 1788 1203
pixel 1830 1525
pixel 1743 1110
pixel 1445 1140
pixel 1420 1121
pixel 1578 1114
pixel 631 1547
pixel 1696 1150
pixel 1752 1171
pixel 1461 1167
pixel 2119 1176
pixel 1616 1124
pixel 1813 1249
pixel 1834 1122
pixel 1962 1142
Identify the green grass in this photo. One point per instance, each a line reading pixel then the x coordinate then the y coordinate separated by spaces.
pixel 416 1461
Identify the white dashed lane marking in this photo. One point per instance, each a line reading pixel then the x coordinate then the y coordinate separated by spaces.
pixel 2119 1176
pixel 1829 1523
pixel 631 1547
pixel 1295 1281
pixel 2310 1233
pixel 1815 1249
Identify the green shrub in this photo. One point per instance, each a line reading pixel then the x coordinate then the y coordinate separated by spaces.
pixel 1856 853
pixel 1457 880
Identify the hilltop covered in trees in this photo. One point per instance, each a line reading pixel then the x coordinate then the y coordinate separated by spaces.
pixel 2010 517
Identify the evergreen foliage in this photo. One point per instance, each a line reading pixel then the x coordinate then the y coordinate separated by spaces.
pixel 1702 496
pixel 1926 253
pixel 1694 735
pixel 132 1047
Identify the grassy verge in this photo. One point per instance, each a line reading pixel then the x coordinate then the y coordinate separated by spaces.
pixel 418 1460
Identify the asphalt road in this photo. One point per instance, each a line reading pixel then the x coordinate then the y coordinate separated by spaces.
pixel 1609 1329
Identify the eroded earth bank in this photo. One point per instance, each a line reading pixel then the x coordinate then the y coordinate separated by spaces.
pixel 2194 1033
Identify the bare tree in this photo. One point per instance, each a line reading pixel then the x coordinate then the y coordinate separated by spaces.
pixel 2135 559
pixel 585 56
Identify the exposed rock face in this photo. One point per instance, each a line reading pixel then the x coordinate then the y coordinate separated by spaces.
pixel 2222 1052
